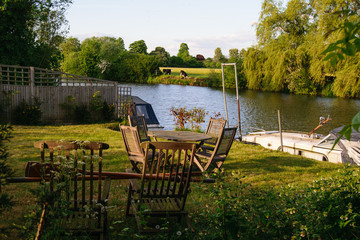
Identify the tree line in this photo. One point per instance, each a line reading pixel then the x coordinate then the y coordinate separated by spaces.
pixel 288 56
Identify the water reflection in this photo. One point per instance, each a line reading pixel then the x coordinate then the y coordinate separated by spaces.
pixel 258 109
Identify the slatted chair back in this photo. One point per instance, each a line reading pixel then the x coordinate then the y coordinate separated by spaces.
pixel 134 151
pixel 223 146
pixel 74 174
pixel 217 157
pixel 214 127
pixel 140 123
pixel 165 181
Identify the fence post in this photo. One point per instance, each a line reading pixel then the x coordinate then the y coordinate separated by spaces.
pixel 32 83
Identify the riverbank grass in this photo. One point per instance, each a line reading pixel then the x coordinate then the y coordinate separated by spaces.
pixel 251 174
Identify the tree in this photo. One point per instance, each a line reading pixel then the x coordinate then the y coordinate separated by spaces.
pixel 70 45
pixel 184 52
pixel 30 32
pixel 110 50
pixel 138 47
pixel 233 55
pixel 219 57
pixel 89 57
pixel 162 55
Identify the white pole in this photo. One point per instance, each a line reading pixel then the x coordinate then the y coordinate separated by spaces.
pixel 223 82
pixel 237 99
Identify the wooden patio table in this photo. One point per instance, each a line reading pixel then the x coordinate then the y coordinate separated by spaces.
pixel 180 136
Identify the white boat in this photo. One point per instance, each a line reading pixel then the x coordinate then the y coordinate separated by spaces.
pixel 315 146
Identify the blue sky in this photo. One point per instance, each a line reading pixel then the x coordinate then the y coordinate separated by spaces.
pixel 203 24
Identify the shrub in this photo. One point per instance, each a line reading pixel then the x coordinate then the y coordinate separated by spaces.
pixel 28 113
pixel 100 110
pixel 196 116
pixel 181 116
pixel 326 209
pixel 5 170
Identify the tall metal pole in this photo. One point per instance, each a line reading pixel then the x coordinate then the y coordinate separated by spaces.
pixel 223 82
pixel 237 93
pixel 238 102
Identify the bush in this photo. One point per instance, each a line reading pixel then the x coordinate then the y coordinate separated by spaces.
pixel 5 170
pixel 100 110
pixel 28 113
pixel 326 209
pixel 196 116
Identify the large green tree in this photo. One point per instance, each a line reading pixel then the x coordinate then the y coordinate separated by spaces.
pixel 138 47
pixel 183 52
pixel 162 55
pixel 218 56
pixel 291 39
pixel 31 30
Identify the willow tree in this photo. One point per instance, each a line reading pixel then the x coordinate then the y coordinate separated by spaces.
pixel 333 19
pixel 280 33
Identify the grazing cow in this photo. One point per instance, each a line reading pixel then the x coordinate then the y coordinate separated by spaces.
pixel 183 74
pixel 167 71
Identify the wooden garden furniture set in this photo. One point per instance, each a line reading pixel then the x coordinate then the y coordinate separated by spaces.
pixel 72 172
pixel 171 164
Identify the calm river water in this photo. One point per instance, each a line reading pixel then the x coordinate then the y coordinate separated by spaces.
pixel 257 109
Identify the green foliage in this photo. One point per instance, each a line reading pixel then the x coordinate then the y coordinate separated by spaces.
pixel 31 31
pixel 28 113
pixel 162 55
pixel 5 170
pixel 100 110
pixel 219 57
pixel 325 209
pixel 138 47
pixel 292 41
pixel 75 111
pixel 184 52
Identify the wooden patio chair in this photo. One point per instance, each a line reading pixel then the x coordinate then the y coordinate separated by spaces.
pixel 132 143
pixel 213 129
pixel 205 158
pixel 162 191
pixel 140 123
pixel 78 191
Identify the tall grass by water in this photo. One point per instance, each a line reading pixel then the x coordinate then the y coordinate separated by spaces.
pixel 259 194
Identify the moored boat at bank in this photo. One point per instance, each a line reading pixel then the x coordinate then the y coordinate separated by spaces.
pixel 315 146
pixel 143 108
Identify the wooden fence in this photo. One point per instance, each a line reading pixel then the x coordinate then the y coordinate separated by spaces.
pixel 51 88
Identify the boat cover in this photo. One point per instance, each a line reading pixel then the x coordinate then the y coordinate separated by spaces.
pixel 351 149
pixel 145 108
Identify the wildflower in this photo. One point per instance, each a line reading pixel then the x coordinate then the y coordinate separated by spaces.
pixel 178 233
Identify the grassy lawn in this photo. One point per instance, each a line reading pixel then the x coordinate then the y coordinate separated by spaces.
pixel 256 167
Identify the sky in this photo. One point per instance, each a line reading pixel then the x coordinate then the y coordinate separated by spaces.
pixel 203 25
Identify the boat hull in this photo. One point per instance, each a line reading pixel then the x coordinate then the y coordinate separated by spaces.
pixel 314 146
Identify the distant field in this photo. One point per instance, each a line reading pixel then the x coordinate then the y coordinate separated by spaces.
pixel 202 71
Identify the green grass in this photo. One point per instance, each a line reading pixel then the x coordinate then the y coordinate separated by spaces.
pixel 257 167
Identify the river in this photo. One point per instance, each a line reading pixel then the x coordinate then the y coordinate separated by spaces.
pixel 258 110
